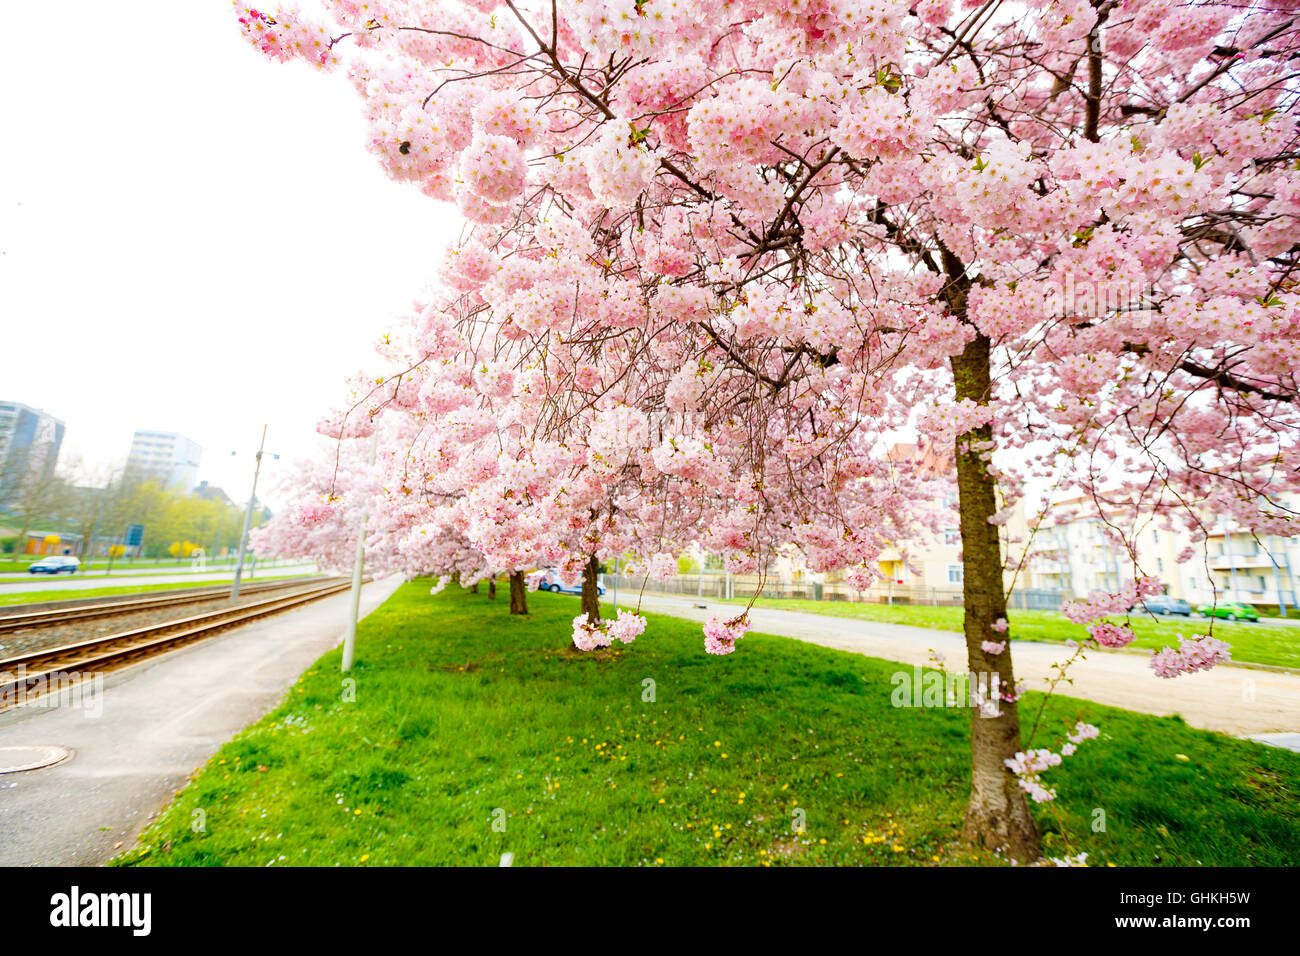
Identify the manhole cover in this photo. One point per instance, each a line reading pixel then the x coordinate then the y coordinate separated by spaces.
pixel 16 759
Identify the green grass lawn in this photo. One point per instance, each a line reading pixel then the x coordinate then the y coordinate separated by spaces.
pixel 41 595
pixel 464 716
pixel 1251 643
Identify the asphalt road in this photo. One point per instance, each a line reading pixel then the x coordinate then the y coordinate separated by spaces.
pixel 158 722
pixel 41 583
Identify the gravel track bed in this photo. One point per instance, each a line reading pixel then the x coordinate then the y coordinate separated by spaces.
pixel 39 638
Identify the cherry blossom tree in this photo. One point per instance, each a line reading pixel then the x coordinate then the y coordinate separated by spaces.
pixel 718 252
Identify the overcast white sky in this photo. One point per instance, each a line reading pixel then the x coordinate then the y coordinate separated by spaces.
pixel 192 238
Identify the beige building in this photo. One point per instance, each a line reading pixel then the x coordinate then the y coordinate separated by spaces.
pixel 1243 567
pixel 928 568
pixel 1070 555
pixel 1072 552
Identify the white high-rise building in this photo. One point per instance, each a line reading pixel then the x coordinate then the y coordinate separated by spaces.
pixel 29 446
pixel 168 458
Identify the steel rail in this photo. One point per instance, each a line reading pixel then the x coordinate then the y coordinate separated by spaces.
pixel 18 675
pixel 50 617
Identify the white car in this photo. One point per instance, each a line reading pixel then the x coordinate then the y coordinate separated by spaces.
pixel 549 580
pixel 55 564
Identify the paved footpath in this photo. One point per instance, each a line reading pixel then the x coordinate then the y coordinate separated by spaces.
pixel 1232 700
pixel 160 720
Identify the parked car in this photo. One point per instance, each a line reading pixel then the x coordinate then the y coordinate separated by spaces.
pixel 550 581
pixel 1229 609
pixel 55 564
pixel 1164 604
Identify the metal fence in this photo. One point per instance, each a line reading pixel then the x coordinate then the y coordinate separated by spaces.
pixel 720 585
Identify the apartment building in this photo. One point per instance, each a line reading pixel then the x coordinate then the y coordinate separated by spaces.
pixel 1240 566
pixel 30 440
pixel 1072 551
pixel 168 458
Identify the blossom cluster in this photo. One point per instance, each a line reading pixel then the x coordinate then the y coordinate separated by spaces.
pixel 1028 766
pixel 1111 635
pixel 626 628
pixel 1100 603
pixel 1196 653
pixel 285 34
pixel 720 636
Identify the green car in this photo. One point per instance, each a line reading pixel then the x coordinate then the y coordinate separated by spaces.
pixel 1230 609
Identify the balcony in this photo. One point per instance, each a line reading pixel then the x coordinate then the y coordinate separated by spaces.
pixel 1223 562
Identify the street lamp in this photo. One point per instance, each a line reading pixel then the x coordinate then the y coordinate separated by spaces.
pixel 354 599
pixel 248 517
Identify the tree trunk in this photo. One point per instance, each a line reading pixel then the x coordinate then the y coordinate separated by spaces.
pixel 998 816
pixel 492 588
pixel 473 588
pixel 590 596
pixel 518 593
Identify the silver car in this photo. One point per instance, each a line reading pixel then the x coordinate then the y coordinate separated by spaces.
pixel 55 564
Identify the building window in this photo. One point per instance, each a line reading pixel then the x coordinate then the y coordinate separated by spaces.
pixel 1160 564
pixel 956 574
pixel 952 536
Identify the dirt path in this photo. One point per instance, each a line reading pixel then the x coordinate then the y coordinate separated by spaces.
pixel 1232 700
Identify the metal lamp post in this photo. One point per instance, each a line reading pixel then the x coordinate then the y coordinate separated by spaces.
pixel 354 605
pixel 248 517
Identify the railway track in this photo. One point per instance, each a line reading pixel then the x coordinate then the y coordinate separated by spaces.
pixel 30 675
pixel 52 617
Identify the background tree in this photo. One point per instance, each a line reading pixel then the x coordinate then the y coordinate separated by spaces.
pixel 93 493
pixel 36 503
